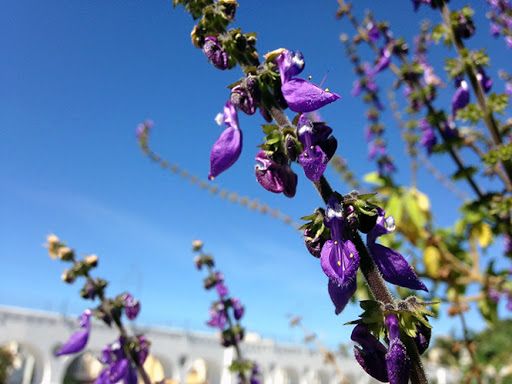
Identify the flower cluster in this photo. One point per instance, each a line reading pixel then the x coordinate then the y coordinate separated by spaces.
pixel 124 359
pixel 225 315
pixel 272 169
pixel 339 256
pixel 500 14
pixel 373 33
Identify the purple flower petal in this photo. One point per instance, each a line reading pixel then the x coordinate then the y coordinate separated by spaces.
pixel 274 177
pixel 340 261
pixel 238 308
pixel 103 377
pixel 397 363
pixel 215 53
pixel 370 354
pixel 422 338
pixel 75 343
pixel 118 370
pixel 131 306
pixel 460 98
pixel 225 151
pixel 303 96
pixel 131 376
pixel 290 64
pixel 340 295
pixel 221 288
pixel 394 268
pixel 314 161
pixel 78 340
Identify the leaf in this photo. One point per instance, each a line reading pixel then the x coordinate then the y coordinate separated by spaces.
pixel 489 310
pixel 483 234
pixel 374 178
pixel 432 260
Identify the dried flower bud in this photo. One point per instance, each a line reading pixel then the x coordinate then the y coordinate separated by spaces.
pixel 91 260
pixel 68 276
pixel 65 254
pixel 197 245
pixel 53 244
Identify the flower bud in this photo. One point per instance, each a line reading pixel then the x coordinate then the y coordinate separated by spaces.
pixel 68 276
pixel 91 261
pixel 53 244
pixel 197 245
pixel 215 53
pixel 313 244
pixel 229 8
pixel 242 99
pixel 65 254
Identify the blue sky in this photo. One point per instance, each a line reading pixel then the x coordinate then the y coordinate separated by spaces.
pixel 77 76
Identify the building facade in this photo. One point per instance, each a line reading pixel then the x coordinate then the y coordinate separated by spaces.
pixel 177 355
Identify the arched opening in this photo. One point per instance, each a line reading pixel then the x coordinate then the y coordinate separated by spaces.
pixel 196 372
pixel 21 364
pixel 83 369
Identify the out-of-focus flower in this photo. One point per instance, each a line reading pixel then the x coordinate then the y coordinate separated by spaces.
pixel 227 148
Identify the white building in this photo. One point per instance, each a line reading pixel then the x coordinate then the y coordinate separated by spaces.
pixel 181 356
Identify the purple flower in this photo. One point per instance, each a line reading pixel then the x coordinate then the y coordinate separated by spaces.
pixel 243 96
pixel 275 177
pixel 461 96
pixel 217 316
pixel 215 53
pixel 383 61
pixel 370 353
pixel 319 147
pixel 77 340
pixel 221 288
pixel 118 365
pixel 386 365
pixel 484 80
pixel 422 339
pixel 391 264
pixel 227 148
pixel 428 136
pixel 373 31
pixel 131 306
pixel 255 377
pixel 339 258
pixel 508 88
pixel 238 308
pixel 143 349
pixel 397 361
pixel 494 295
pixel 300 95
pixel 495 30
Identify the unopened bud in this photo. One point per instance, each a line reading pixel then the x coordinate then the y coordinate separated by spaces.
pixel 53 243
pixel 65 254
pixel 91 260
pixel 68 276
pixel 197 245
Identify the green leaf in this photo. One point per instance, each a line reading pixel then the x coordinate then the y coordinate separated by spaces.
pixel 497 102
pixel 374 178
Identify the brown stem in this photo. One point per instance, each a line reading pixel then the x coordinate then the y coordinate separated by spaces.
pixel 475 368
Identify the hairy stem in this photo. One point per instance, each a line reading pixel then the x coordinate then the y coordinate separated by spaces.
pixel 372 275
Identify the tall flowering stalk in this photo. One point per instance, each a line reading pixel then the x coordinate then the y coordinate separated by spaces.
pixel 309 143
pixel 124 358
pixel 225 315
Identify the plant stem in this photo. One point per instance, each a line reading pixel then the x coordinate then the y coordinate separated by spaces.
pixel 238 351
pixel 372 275
pixel 122 331
pixel 488 115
